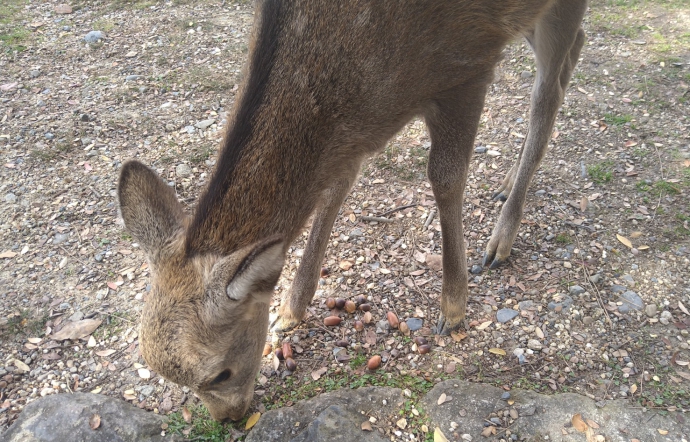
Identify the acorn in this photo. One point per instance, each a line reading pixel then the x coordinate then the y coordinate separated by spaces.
pixel 404 328
pixel 279 353
pixel 367 317
pixel 342 343
pixel 360 299
pixel 350 306
pixel 339 303
pixel 374 362
pixel 330 303
pixel 393 319
pixel 331 321
pixel 424 349
pixel 325 272
pixel 267 349
pixel 287 350
pixel 359 326
pixel 365 307
pixel 420 340
pixel 290 364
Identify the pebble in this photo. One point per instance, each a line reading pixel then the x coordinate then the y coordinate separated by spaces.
pixel 650 310
pixel 59 238
pixel 595 279
pixel 480 149
pixel 629 279
pixel 540 193
pixel 94 36
pixel 147 390
pixel 414 323
pixel 525 74
pixel 563 302
pixel 526 305
pixel 204 124
pixel 49 136
pixel 34 73
pixel 382 326
pixel 665 317
pixel 10 198
pixel 618 288
pixel 76 316
pixel 505 314
pixel 493 153
pixel 576 290
pixel 534 344
pixel 476 269
pixel 133 77
pixel 630 300
pixel 183 170
pixel 505 396
pixel 98 257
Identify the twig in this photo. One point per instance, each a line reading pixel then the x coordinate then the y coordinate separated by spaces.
pixel 397 209
pixel 429 218
pixel 377 219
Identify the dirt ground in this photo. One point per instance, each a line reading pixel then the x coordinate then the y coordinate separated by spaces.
pixel 596 292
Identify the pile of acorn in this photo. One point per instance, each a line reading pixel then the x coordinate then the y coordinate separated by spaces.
pixel 336 305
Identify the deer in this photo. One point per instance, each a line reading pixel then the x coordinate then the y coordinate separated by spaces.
pixel 326 85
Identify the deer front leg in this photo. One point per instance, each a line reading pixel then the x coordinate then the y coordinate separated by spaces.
pixel 295 302
pixel 452 124
pixel 557 41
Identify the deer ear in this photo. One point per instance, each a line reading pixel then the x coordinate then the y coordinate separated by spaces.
pixel 258 272
pixel 149 206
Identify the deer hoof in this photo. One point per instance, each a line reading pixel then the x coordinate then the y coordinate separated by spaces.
pixel 282 324
pixel 499 196
pixel 493 259
pixel 445 326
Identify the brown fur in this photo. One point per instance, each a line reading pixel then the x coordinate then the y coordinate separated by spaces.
pixel 328 83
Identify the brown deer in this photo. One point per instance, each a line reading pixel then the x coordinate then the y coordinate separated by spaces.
pixel 327 84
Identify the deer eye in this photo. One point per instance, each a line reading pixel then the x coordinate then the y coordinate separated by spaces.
pixel 222 377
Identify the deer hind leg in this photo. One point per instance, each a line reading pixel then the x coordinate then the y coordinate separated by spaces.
pixel 452 123
pixel 556 40
pixel 295 302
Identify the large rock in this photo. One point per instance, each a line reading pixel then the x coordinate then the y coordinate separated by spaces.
pixel 65 418
pixel 331 417
pixel 539 415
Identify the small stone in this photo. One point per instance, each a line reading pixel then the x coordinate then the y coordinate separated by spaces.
pixel 526 305
pixel 76 316
pixel 505 314
pixel 595 279
pixel 505 396
pixel 650 310
pixel 133 77
pixel 534 344
pixel 493 153
pixel 49 136
pixel 204 124
pixel 147 390
pixel 94 36
pixel 59 238
pixel 98 257
pixel 567 264
pixel 576 290
pixel 665 317
pixel 540 192
pixel 183 170
pixel 525 75
pixel 476 269
pixel 630 300
pixel 10 198
pixel 480 149
pixel 562 302
pixel 629 279
pixel 414 323
pixel 34 73
pixel 618 288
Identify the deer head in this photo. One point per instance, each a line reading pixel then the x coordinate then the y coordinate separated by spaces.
pixel 205 320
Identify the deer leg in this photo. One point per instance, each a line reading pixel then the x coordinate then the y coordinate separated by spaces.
pixel 452 123
pixel 297 299
pixel 556 40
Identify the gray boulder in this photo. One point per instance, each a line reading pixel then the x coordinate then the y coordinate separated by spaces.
pixel 65 418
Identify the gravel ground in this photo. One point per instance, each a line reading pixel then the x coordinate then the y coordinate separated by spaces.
pixel 595 297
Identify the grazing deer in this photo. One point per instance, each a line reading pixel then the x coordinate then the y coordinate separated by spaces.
pixel 327 84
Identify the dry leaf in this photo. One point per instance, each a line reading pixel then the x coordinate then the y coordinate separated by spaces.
pixel 439 436
pixel 489 431
pixel 8 254
pixel 450 367
pixel 35 340
pixel 366 426
pixel 77 329
pixel 680 306
pixel 402 423
pixel 92 342
pixel 20 365
pixel 624 240
pixel 662 432
pixel 457 336
pixel 643 247
pixel 583 204
pixel 94 421
pixel 539 333
pixel 96 390
pixel 316 374
pixel 483 325
pixel 104 353
pixel 253 419
pixel 633 388
pixel 578 423
pixel 441 399
pixel 497 351
pixel 345 265
pixel 593 424
pixel 636 234
pixel 186 415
